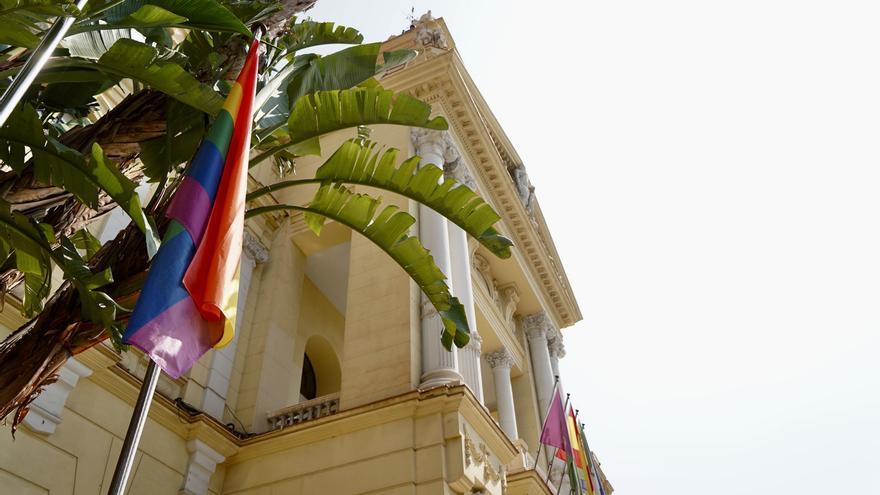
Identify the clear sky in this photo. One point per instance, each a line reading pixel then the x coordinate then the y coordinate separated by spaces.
pixel 711 175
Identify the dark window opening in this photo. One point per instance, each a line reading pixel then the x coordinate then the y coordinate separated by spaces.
pixel 308 386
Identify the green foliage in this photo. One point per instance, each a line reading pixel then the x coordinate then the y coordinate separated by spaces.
pixel 388 230
pixel 30 244
pixel 327 111
pixel 308 33
pixel 365 163
pixel 63 167
pixel 128 58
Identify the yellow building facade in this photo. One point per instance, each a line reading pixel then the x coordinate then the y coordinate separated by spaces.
pixel 336 382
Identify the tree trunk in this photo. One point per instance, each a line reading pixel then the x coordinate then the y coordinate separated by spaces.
pixel 31 357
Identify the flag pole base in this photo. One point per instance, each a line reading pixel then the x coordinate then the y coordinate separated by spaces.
pixel 135 429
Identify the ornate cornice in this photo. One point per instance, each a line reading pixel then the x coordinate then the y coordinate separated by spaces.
pixel 443 82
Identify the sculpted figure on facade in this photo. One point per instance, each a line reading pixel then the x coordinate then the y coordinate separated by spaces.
pixel 524 188
pixel 429 33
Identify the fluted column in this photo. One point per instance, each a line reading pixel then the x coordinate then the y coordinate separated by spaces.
pixel 536 327
pixel 220 370
pixel 501 362
pixel 460 252
pixel 439 366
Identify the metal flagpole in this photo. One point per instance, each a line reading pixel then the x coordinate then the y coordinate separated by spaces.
pixel 35 63
pixel 135 428
pixel 142 406
pixel 568 461
pixel 541 445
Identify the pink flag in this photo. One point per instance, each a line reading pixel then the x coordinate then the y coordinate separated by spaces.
pixel 555 431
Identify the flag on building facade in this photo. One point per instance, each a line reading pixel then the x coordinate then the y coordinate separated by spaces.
pixel 555 432
pixel 580 467
pixel 187 305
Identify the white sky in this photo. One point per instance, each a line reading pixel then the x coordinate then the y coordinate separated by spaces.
pixel 710 173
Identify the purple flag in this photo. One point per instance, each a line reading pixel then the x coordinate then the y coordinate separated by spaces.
pixel 555 431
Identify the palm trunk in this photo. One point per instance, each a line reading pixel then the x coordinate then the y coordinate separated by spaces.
pixel 31 358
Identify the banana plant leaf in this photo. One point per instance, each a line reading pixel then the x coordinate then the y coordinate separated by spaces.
pixel 388 230
pixel 66 168
pixel 327 111
pixel 308 33
pixel 365 163
pixel 128 58
pixel 30 244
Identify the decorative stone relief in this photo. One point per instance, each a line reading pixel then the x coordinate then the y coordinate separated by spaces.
pixel 255 249
pixel 479 455
pixel 500 358
pixel 524 188
pixel 537 325
pixel 475 343
pixel 429 34
pixel 555 344
pixel 505 296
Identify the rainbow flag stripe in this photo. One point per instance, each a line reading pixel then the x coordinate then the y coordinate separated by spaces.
pixel 172 323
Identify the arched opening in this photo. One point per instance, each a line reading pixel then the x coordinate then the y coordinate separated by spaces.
pixel 322 374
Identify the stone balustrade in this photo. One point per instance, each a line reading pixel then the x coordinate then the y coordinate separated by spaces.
pixel 304 411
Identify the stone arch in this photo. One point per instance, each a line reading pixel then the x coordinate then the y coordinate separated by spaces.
pixel 325 364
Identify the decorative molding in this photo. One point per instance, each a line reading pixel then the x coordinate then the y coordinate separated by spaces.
pixel 203 462
pixel 255 249
pixel 479 455
pixel 505 296
pixel 499 359
pixel 429 34
pixel 537 326
pixel 44 414
pixel 475 343
pixel 555 344
pixel 444 83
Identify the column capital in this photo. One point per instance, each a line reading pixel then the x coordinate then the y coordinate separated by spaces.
pixel 475 343
pixel 254 249
pixel 429 142
pixel 555 344
pixel 537 326
pixel 500 359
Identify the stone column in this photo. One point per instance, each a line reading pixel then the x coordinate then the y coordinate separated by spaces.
pixel 203 462
pixel 439 366
pixel 536 327
pixel 469 357
pixel 501 362
pixel 220 370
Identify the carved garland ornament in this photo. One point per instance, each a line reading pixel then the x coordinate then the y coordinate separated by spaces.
pixel 476 455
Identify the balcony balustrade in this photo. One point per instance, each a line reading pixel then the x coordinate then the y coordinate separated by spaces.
pixel 318 407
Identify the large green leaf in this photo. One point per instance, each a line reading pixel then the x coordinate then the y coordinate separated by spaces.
pixel 308 33
pixel 30 243
pixel 209 15
pixel 388 230
pixel 17 33
pixel 328 111
pixel 364 163
pixel 63 167
pixel 185 127
pixel 128 58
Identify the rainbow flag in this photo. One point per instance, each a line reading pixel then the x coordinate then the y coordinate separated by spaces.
pixel 187 305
